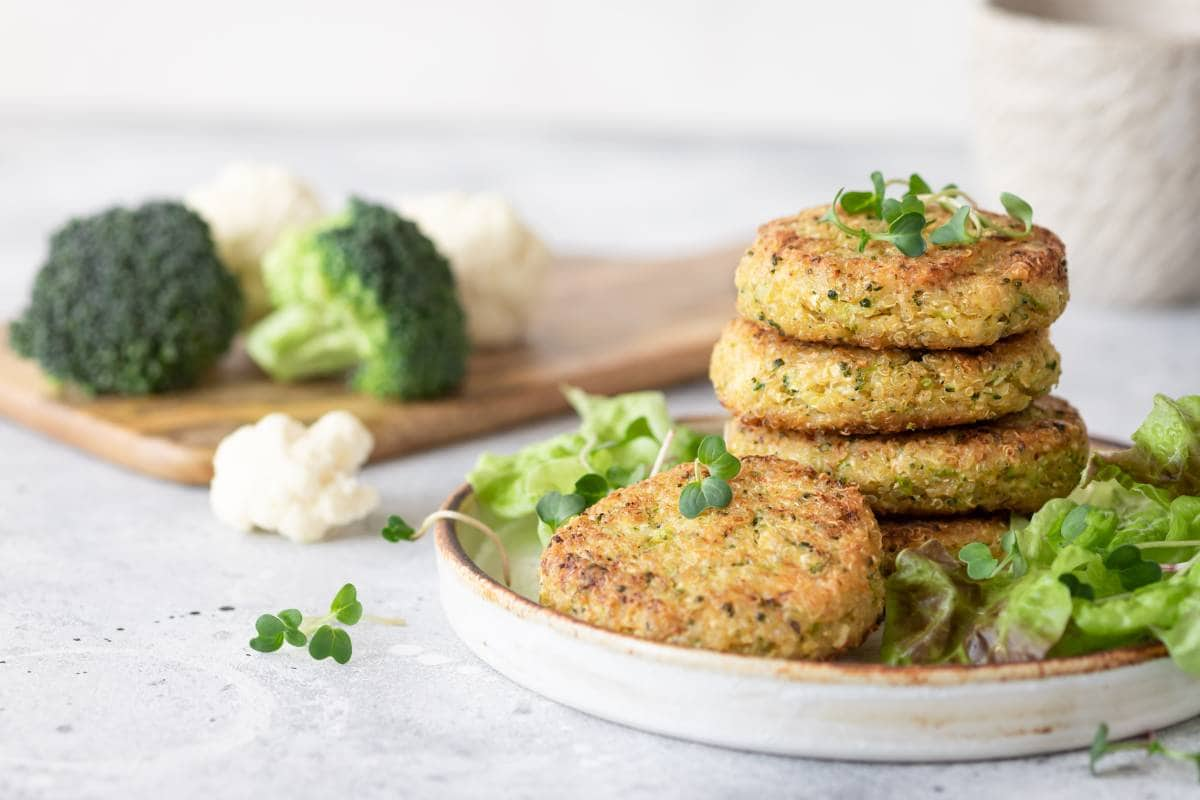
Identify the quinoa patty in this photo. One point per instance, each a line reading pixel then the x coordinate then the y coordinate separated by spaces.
pixel 790 568
pixel 766 378
pixel 900 533
pixel 1016 462
pixel 808 280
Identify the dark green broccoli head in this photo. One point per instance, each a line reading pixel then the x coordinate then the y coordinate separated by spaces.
pixel 131 302
pixel 364 290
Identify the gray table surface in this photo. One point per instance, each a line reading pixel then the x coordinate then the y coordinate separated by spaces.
pixel 125 606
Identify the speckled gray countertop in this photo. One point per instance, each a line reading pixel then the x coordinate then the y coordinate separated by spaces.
pixel 125 607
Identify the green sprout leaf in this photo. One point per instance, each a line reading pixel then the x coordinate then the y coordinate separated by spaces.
pixel 1018 209
pixel 1151 746
pixel 712 491
pixel 880 185
pixel 858 202
pixel 270 634
pixel 1140 574
pixel 954 230
pixel 1078 588
pixel 323 638
pixel 917 185
pixel 692 501
pixel 981 564
pixel 1133 571
pixel 291 617
pixel 556 508
pixel 906 218
pixel 340 647
pixel 894 209
pixel 906 233
pixel 726 467
pixel 711 448
pixel 397 530
pixel 1099 747
pixel 591 488
pixel 345 606
pixel 717 493
pixel 320 646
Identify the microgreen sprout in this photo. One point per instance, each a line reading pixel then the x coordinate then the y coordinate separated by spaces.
pixel 1133 570
pixel 713 490
pixel 397 530
pixel 1150 745
pixel 906 218
pixel 981 564
pixel 555 508
pixel 324 639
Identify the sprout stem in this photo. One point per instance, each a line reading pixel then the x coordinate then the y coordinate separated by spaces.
pixel 662 452
pixel 588 444
pixel 477 525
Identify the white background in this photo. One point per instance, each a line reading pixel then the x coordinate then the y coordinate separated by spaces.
pixel 710 66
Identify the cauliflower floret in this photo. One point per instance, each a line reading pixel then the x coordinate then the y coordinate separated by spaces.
pixel 277 475
pixel 247 206
pixel 500 265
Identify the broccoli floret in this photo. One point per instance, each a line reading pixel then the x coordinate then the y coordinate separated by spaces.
pixel 364 290
pixel 130 302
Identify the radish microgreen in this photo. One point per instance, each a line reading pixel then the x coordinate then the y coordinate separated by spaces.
pixel 906 217
pixel 981 564
pixel 324 640
pixel 1150 745
pixel 397 530
pixel 713 490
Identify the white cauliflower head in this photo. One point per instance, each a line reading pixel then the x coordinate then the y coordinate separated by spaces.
pixel 278 475
pixel 499 264
pixel 247 206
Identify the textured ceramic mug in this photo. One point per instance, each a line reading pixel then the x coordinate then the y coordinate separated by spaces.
pixel 1090 110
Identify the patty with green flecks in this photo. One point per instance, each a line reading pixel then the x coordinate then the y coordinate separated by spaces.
pixel 768 379
pixel 1014 463
pixel 809 280
pixel 790 568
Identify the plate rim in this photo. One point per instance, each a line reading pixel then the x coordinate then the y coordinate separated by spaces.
pixel 450 551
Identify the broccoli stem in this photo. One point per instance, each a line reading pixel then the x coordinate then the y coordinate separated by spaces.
pixel 301 341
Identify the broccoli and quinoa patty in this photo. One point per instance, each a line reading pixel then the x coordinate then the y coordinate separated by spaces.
pixel 766 378
pixel 1014 463
pixel 808 280
pixel 790 568
pixel 902 533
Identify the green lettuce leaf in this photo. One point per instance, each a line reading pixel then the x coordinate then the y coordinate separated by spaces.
pixel 612 440
pixel 1089 572
pixel 931 606
pixel 1166 447
pixel 1022 622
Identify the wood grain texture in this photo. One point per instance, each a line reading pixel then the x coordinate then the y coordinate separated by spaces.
pixel 605 326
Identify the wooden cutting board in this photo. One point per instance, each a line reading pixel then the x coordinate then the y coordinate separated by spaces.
pixel 605 326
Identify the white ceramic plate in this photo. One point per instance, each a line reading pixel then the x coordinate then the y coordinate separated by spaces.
pixel 849 709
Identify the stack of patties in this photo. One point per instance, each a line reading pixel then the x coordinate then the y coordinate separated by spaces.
pixel 920 380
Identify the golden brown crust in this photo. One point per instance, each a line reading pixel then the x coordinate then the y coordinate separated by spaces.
pixel 901 533
pixel 767 379
pixel 789 569
pixel 808 280
pixel 1016 462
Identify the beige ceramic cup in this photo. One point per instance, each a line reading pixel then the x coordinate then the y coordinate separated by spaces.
pixel 1090 110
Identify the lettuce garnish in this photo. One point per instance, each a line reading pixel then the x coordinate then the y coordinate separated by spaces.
pixel 1115 563
pixel 618 440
